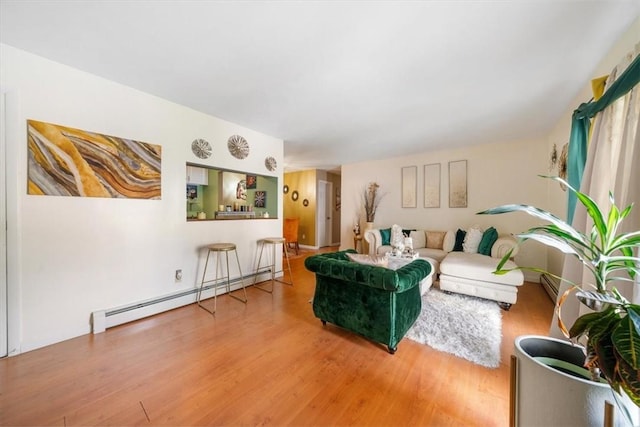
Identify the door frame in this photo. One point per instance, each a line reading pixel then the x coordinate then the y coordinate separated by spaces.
pixel 4 316
pixel 324 214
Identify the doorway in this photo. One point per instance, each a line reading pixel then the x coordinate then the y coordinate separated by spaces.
pixel 4 320
pixel 324 233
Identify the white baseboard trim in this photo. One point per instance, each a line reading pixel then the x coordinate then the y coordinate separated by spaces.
pixel 101 320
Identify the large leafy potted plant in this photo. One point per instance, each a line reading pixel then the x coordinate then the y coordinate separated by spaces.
pixel 611 332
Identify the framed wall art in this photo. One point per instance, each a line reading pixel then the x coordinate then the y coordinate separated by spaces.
pixel 252 182
pixel 65 161
pixel 192 192
pixel 432 185
pixel 260 200
pixel 409 186
pixel 458 184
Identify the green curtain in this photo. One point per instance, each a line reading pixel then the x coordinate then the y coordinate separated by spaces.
pixel 581 122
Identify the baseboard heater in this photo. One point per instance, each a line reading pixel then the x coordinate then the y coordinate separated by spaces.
pixel 101 320
pixel 550 285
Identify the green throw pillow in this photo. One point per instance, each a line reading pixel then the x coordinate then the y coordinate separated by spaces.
pixel 386 236
pixel 489 237
pixel 457 247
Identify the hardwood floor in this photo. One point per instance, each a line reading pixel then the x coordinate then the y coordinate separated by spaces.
pixel 269 362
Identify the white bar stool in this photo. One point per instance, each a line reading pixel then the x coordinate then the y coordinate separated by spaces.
pixel 218 248
pixel 271 267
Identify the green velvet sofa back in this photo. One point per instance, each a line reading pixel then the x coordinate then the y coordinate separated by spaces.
pixel 375 302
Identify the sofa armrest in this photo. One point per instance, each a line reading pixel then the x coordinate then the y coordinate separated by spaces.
pixel 504 243
pixel 374 239
pixel 336 265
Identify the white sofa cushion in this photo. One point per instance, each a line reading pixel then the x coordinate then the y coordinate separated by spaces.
pixel 487 290
pixel 480 268
pixel 436 254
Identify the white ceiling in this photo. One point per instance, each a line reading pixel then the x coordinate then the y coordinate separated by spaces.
pixel 340 82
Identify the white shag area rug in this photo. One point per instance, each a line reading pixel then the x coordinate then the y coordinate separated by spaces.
pixel 465 326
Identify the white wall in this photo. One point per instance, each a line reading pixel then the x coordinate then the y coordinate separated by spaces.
pixel 497 174
pixel 70 256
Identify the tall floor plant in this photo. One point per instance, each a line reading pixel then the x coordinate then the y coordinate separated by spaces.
pixel 612 330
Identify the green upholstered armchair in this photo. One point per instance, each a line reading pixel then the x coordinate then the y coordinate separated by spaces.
pixel 375 302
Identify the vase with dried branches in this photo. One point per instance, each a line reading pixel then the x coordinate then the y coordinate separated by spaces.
pixel 371 200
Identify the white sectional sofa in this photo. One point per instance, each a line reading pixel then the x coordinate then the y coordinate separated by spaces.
pixel 461 271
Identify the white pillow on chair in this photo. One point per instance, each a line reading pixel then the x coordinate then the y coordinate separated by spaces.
pixel 375 260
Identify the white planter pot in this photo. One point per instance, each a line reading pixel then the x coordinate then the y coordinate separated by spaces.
pixel 548 397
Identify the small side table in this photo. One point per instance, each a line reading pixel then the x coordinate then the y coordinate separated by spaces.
pixel 357 238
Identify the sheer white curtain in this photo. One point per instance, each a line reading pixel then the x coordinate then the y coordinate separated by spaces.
pixel 613 164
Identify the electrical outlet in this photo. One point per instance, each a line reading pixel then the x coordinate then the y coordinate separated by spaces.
pixel 304 236
pixel 178 275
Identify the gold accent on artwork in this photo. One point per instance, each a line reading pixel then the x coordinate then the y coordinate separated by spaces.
pixel 64 161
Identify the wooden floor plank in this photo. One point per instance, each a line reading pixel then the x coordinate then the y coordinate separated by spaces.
pixel 269 362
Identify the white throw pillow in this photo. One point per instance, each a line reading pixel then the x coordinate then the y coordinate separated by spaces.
pixel 375 260
pixel 449 241
pixel 419 239
pixel 472 240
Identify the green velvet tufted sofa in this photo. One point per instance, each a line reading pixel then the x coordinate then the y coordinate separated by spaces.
pixel 376 302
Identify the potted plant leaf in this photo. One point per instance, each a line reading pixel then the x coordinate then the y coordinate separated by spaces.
pixel 611 332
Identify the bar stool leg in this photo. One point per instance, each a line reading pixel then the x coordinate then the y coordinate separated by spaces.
pixel 273 263
pixel 204 274
pixel 215 283
pixel 255 277
pixel 286 255
pixel 241 280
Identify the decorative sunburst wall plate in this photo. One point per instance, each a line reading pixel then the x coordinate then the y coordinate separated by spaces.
pixel 201 148
pixel 238 146
pixel 271 164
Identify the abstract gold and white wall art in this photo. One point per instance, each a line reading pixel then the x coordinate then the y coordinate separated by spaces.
pixel 432 185
pixel 64 161
pixel 458 184
pixel 409 186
